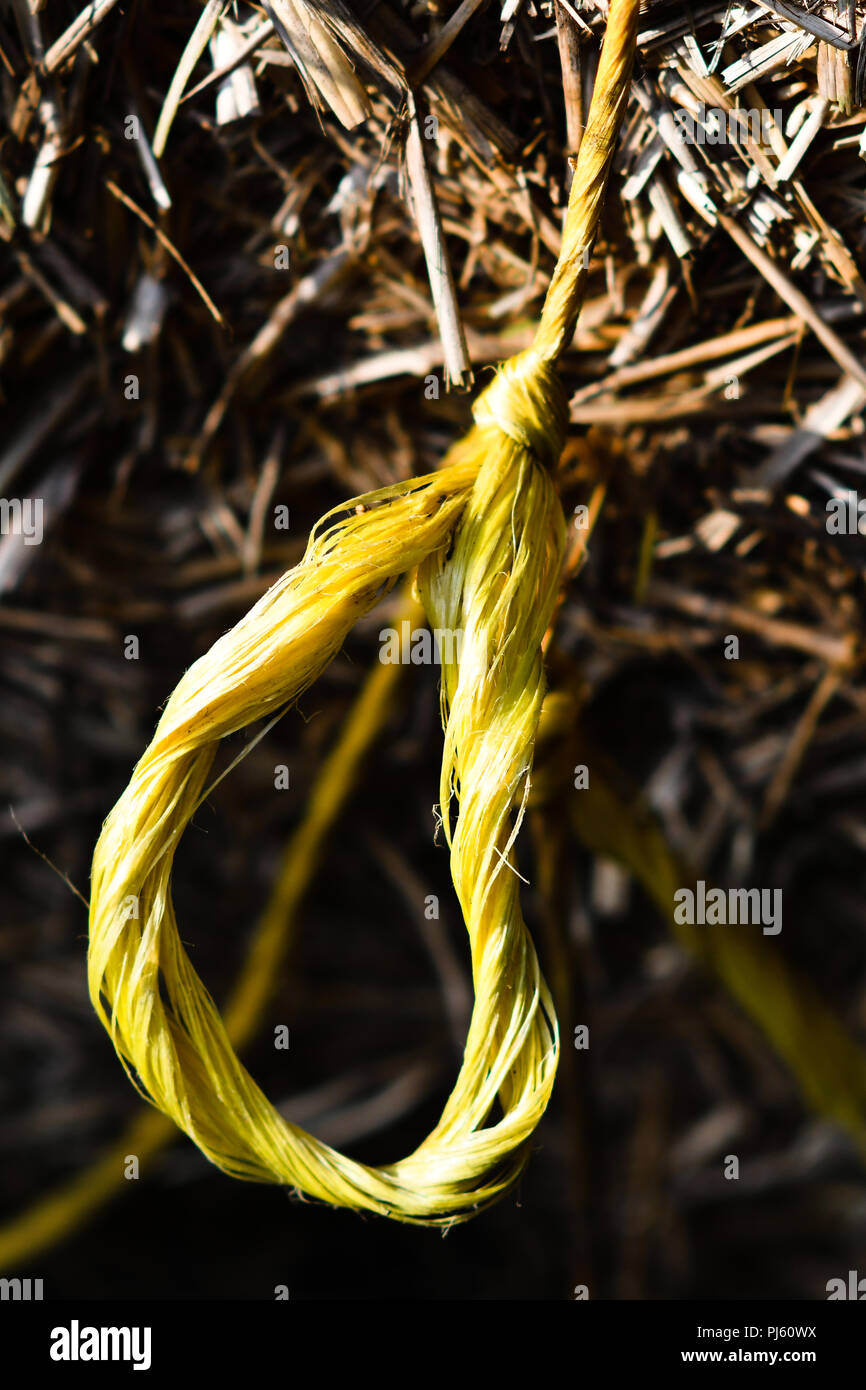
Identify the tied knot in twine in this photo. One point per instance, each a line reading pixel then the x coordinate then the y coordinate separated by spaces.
pixel 527 402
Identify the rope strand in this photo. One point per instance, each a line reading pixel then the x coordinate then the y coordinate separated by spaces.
pixel 564 297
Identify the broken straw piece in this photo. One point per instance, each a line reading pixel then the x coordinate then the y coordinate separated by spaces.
pixel 237 97
pixel 146 313
pixel 323 67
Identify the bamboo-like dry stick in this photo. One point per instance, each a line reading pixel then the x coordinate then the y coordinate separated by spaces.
pixel 458 367
pixel 847 398
pixel 77 33
pixel 196 45
pixel 707 351
pixel 794 298
pixel 569 42
pixel 439 46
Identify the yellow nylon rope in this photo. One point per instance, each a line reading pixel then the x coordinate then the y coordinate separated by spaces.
pixel 822 1055
pixel 67 1206
pixel 486 534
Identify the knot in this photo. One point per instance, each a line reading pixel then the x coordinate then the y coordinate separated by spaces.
pixel 527 402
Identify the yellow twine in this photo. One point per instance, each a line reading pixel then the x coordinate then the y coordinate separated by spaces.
pixel 486 534
pixel 826 1061
pixel 59 1212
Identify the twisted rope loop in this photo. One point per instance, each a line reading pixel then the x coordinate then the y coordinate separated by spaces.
pixel 486 535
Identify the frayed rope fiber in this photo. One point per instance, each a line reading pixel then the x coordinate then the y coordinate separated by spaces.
pixel 485 535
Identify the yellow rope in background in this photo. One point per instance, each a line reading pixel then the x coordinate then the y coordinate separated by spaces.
pixel 487 533
pixel 68 1206
pixel 828 1064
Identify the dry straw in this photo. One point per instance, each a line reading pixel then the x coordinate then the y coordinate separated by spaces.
pixel 485 534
